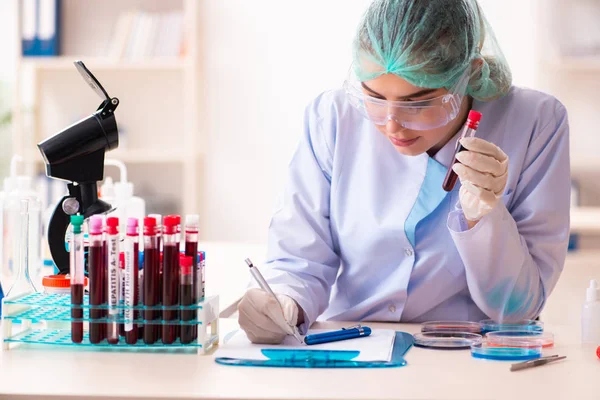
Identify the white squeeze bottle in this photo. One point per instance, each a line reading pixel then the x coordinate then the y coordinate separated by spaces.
pixel 120 196
pixel 590 316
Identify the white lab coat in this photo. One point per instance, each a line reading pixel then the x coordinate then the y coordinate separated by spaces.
pixel 364 233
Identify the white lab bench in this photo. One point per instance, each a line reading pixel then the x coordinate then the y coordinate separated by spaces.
pixel 52 373
pixel 430 374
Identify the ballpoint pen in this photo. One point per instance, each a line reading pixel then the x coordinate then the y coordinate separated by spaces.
pixel 265 286
pixel 537 362
pixel 352 332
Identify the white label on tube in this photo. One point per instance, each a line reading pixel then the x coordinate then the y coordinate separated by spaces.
pixel 130 269
pixel 113 275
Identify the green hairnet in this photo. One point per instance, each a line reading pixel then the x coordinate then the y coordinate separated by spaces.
pixel 431 43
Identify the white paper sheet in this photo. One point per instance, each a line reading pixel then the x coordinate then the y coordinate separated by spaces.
pixel 376 347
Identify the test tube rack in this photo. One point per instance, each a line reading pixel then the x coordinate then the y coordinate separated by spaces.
pixel 45 319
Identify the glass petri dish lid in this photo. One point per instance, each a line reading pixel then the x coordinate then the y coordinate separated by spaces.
pixel 445 340
pixel 518 338
pixel 451 326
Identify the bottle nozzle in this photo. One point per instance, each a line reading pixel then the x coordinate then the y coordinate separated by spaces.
pixel 119 164
pixel 593 292
pixel 13 165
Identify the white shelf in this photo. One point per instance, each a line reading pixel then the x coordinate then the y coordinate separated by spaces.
pixel 585 164
pixel 585 220
pixel 138 78
pixel 584 63
pixel 150 156
pixel 62 63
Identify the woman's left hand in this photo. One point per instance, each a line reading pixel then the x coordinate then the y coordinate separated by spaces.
pixel 483 171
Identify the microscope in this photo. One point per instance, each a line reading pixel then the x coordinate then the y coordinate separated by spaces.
pixel 76 155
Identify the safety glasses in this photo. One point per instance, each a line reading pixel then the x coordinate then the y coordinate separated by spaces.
pixel 414 115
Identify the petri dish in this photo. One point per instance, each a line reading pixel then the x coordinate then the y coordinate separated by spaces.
pixel 487 352
pixel 488 325
pixel 444 340
pixel 520 339
pixel 451 326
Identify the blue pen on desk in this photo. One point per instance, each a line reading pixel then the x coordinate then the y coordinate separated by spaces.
pixel 343 334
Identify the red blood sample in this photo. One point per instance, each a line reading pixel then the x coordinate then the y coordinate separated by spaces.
pixel 151 281
pixel 96 272
pixel 186 298
pixel 170 292
pixel 77 312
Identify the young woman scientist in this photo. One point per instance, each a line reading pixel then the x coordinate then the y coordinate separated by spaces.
pixel 364 230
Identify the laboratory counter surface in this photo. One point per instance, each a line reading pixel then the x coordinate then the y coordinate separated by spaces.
pixel 52 373
pixel 57 373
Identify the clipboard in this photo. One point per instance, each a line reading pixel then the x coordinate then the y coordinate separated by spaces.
pixel 284 358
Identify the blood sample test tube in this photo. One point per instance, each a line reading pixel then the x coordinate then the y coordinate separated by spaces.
pixel 159 230
pixel 469 130
pixel 170 294
pixel 140 292
pixel 186 297
pixel 178 245
pixel 96 277
pixel 151 281
pixel 192 223
pixel 112 262
pixel 76 266
pixel 121 292
pixel 131 280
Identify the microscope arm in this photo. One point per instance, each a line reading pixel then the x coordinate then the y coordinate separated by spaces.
pixel 59 223
pixel 82 199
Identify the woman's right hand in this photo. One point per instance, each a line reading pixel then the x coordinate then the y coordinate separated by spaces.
pixel 263 320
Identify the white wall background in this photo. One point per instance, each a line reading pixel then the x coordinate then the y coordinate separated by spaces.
pixel 516 33
pixel 8 55
pixel 7 44
pixel 264 60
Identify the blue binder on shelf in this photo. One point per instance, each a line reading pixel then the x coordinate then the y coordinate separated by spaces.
pixel 285 358
pixel 40 28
